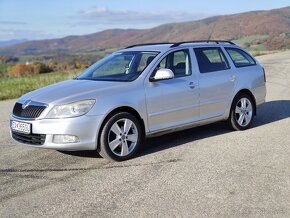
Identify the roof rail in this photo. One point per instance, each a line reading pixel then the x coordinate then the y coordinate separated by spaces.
pixel 160 43
pixel 176 44
pixel 206 41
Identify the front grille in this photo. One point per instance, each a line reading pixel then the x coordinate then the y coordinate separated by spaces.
pixel 32 139
pixel 31 111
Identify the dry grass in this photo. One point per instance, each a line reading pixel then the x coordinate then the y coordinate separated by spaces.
pixel 14 87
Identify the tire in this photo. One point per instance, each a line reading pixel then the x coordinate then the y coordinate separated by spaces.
pixel 242 112
pixel 121 137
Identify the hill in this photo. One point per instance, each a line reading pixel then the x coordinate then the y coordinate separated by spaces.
pixel 257 30
pixel 11 42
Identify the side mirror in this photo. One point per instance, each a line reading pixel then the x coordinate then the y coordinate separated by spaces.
pixel 162 74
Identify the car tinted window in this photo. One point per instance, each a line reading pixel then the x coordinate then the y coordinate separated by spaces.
pixel 178 62
pixel 240 58
pixel 210 60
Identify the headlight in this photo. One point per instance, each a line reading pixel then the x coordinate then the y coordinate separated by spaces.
pixel 71 110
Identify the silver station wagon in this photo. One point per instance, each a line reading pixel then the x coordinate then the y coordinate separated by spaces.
pixel 141 91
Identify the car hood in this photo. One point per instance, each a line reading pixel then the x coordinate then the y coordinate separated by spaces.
pixel 70 91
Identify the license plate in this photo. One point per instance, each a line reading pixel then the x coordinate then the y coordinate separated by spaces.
pixel 21 127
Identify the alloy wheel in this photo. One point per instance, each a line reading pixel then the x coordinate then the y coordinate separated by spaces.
pixel 244 112
pixel 123 137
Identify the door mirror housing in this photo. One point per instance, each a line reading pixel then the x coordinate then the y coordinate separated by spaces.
pixel 162 74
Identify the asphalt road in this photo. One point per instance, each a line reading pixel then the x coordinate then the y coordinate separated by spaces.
pixel 203 172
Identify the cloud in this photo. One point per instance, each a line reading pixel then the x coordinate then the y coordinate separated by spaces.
pixel 106 16
pixel 9 22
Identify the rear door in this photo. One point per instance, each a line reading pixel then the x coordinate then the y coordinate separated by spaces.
pixel 176 101
pixel 216 81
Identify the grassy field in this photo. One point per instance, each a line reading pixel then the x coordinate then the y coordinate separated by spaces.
pixel 14 87
pixel 250 39
pixel 3 67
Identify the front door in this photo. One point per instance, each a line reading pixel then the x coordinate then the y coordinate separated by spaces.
pixel 176 101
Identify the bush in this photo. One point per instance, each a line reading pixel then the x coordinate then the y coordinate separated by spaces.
pixel 28 69
pixel 20 70
pixel 81 66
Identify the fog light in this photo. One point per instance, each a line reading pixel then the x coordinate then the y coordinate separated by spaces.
pixel 63 139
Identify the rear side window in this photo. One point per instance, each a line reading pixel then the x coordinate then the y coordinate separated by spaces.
pixel 210 60
pixel 240 58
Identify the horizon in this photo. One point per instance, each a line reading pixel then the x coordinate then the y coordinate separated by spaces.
pixel 60 19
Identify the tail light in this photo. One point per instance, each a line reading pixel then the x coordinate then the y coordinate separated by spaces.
pixel 264 72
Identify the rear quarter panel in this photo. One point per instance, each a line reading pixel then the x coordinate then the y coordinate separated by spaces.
pixel 250 78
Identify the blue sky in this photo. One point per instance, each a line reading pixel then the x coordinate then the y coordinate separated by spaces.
pixel 40 19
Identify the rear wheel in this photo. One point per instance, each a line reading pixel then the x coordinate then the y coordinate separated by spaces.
pixel 242 112
pixel 121 137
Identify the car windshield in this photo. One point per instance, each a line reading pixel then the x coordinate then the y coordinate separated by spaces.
pixel 120 66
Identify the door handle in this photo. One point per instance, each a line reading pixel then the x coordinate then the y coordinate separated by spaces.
pixel 233 78
pixel 191 85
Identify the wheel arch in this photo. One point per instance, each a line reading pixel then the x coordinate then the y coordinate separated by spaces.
pixel 127 109
pixel 248 92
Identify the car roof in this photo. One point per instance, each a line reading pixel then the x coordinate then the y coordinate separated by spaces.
pixel 163 47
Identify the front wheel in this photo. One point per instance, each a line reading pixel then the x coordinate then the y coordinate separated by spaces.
pixel 242 112
pixel 121 137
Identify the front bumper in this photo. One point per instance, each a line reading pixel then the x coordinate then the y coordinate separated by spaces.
pixel 85 127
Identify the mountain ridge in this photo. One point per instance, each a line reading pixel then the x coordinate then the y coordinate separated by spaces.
pixel 268 29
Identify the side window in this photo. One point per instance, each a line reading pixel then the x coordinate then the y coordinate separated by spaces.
pixel 178 62
pixel 210 60
pixel 240 58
